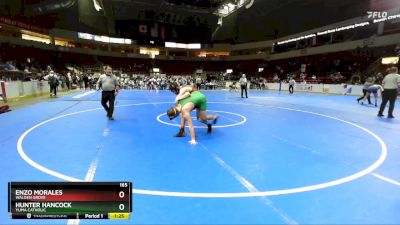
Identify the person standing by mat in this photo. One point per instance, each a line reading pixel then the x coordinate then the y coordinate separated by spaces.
pixel 292 82
pixel 243 84
pixel 280 84
pixel 196 101
pixel 390 84
pixel 110 86
pixel 198 83
pixel 53 82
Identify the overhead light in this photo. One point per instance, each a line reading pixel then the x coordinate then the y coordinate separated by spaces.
pixel 36 38
pixel 85 36
pixel 390 60
pixel 250 4
pixel 104 39
pixel 194 46
pixel 149 51
pixel 97 5
pixel 182 45
pixel 220 21
pixel 231 6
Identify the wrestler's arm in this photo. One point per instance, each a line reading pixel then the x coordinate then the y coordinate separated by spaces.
pixel 183 93
pixel 186 116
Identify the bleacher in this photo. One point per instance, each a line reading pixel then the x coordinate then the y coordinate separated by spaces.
pixel 328 68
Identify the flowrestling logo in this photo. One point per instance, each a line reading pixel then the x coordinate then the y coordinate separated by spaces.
pixel 377 14
pixel 381 16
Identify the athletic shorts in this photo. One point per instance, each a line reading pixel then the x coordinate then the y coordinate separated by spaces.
pixel 373 91
pixel 197 98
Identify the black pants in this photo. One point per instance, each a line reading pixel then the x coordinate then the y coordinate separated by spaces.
pixel 244 88
pixel 291 89
pixel 198 86
pixel 388 95
pixel 108 96
pixel 53 89
pixel 364 94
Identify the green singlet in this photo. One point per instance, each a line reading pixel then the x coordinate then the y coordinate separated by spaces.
pixel 197 98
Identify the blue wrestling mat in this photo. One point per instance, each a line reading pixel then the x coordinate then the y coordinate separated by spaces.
pixel 271 159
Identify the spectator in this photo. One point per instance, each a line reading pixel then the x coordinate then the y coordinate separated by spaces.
pixel 292 82
pixel 53 82
pixel 68 80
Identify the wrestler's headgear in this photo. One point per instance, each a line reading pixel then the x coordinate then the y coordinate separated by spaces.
pixel 172 113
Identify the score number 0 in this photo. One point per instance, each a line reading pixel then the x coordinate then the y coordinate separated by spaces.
pixel 121 194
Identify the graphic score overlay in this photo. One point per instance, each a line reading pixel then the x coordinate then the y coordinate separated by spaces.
pixel 69 200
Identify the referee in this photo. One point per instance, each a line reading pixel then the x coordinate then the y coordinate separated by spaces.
pixel 109 84
pixel 390 84
pixel 243 84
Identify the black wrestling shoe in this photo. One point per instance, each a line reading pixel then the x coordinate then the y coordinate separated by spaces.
pixel 380 114
pixel 181 133
pixel 209 128
pixel 390 117
pixel 215 120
